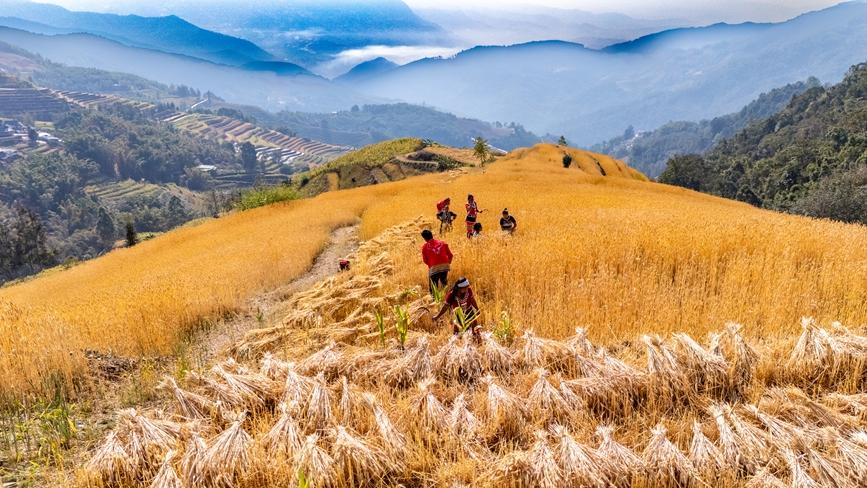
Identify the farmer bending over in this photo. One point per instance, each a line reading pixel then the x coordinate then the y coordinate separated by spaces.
pixel 438 258
pixel 461 297
pixel 507 222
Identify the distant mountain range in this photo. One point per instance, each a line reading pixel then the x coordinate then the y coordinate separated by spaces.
pixel 245 85
pixel 649 151
pixel 591 95
pixel 169 34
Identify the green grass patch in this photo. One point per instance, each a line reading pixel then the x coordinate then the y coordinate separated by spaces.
pixel 259 197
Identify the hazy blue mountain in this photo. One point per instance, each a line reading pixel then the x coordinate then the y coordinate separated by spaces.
pixel 170 33
pixel 367 69
pixel 591 95
pixel 282 68
pixel 649 151
pixel 264 89
pixel 306 32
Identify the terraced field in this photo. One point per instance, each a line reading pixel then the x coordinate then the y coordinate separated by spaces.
pixel 273 147
pixel 37 102
pixel 113 192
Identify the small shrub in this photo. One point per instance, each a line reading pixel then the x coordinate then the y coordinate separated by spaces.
pixel 260 197
pixel 567 161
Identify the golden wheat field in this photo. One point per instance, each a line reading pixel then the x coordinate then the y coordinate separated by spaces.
pixel 636 335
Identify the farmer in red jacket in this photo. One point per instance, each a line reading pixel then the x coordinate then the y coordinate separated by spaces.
pixel 438 258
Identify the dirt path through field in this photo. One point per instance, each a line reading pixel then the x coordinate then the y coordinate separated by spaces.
pixel 268 307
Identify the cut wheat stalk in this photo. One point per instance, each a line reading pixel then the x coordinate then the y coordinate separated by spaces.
pixel 190 405
pixel 797 474
pixel 318 412
pixel 227 456
pixel 110 465
pixel 361 463
pixel 167 477
pixel 427 409
pixel 146 441
pixel 191 462
pixel 581 465
pixel 460 420
pixel 744 359
pixel 705 456
pixel 546 353
pixel 505 412
pixel 765 479
pixel 314 464
pixel 393 440
pixel 666 465
pixel 708 372
pixel 544 471
pixel 545 403
pixel 625 465
pixel 497 359
pixel 284 438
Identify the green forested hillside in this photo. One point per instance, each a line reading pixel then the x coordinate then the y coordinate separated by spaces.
pixel 809 158
pixel 649 151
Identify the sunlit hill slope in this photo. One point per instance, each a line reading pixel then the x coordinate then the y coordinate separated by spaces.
pixel 614 253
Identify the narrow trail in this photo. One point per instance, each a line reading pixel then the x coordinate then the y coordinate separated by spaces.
pixel 268 306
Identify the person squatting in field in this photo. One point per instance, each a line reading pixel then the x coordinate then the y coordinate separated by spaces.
pixel 438 258
pixel 473 211
pixel 461 297
pixel 508 223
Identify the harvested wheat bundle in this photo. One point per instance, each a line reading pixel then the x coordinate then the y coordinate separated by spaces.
pixel 190 405
pixel 227 456
pixel 460 420
pixel 859 437
pixel 273 368
pixel 744 359
pixel 191 462
pixel 708 372
pixel 167 477
pixel 573 400
pixel 827 472
pixel 284 438
pixel 427 409
pixel 545 403
pixel 318 412
pixel 546 353
pixel 315 464
pixel 580 343
pixel 459 360
pixel 764 479
pixel 110 465
pixel 667 381
pixel 853 405
pixel 606 396
pixel 666 465
pixel 328 360
pixel 798 475
pixel 349 405
pixel 223 393
pixel 511 470
pixel 854 457
pixel 780 430
pixel 810 357
pixel 360 462
pixel 257 341
pixel 737 457
pixel 297 387
pixel 794 406
pixel 544 470
pixel 581 465
pixel 752 439
pixel 705 456
pixel 256 390
pixel 410 367
pixel 497 359
pixel 505 411
pixel 393 440
pixel 146 440
pixel 624 465
pixel 714 343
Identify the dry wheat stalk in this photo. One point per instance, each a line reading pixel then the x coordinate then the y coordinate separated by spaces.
pixel 318 413
pixel 315 464
pixel 361 463
pixel 744 360
pixel 284 437
pixel 497 359
pixel 393 439
pixel 826 472
pixel 505 412
pixel 427 409
pixel 145 440
pixel 666 465
pixel 461 421
pixel 581 465
pixel 705 456
pixel 328 361
pixel 191 462
pixel 544 470
pixel 227 456
pixel 625 465
pixel 190 405
pixel 110 464
pixel 544 400
pixel 707 371
pixel 764 479
pixel 167 477
pixel 273 368
pixel 546 353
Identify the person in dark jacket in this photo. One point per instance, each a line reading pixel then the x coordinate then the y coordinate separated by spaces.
pixel 508 222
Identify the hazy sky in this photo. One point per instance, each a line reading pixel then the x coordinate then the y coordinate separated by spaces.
pixel 695 10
